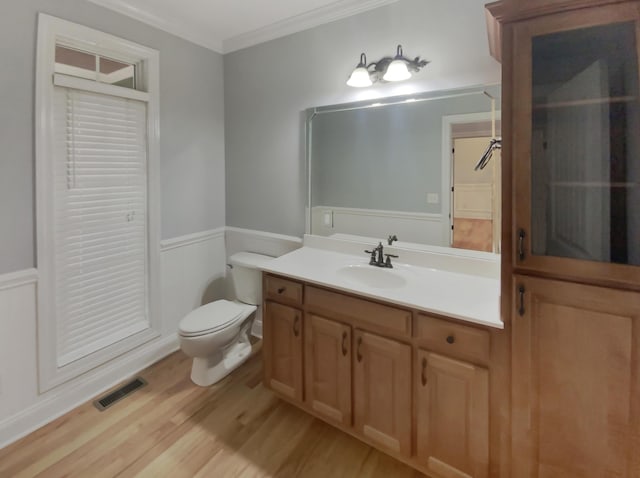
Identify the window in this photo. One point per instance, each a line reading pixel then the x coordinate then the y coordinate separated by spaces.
pixel 90 66
pixel 96 197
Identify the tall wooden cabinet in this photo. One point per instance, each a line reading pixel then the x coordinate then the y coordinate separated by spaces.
pixel 571 235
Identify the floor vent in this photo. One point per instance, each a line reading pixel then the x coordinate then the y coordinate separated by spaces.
pixel 127 389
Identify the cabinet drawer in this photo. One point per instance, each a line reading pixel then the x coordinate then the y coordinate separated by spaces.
pixel 453 339
pixel 370 315
pixel 284 290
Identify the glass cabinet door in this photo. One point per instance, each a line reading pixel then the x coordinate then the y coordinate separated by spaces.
pixel 577 165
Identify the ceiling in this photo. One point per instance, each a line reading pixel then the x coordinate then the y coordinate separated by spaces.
pixel 228 25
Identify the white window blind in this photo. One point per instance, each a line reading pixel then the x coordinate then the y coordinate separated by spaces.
pixel 100 240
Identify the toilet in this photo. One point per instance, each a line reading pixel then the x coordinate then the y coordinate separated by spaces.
pixel 216 335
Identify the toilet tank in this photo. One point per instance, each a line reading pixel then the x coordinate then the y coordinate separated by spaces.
pixel 247 276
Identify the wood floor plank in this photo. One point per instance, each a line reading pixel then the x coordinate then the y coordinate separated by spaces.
pixel 236 428
pixel 41 449
pixel 130 433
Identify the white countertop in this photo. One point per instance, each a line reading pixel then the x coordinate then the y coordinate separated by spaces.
pixel 466 297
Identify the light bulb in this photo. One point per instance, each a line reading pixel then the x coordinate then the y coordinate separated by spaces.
pixel 360 78
pixel 397 71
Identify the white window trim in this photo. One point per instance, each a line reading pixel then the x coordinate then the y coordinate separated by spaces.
pixel 52 31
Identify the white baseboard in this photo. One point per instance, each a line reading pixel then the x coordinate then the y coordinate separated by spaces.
pixel 64 399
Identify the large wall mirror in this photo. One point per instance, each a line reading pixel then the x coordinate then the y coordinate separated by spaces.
pixel 405 166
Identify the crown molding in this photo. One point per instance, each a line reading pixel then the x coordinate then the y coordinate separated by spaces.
pixel 305 21
pixel 200 37
pixel 203 36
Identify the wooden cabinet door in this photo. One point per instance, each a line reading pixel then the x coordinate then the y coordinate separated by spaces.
pixel 382 391
pixel 328 368
pixel 575 191
pixel 576 380
pixel 452 416
pixel 283 349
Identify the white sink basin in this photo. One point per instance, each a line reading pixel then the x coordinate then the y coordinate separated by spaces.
pixel 372 276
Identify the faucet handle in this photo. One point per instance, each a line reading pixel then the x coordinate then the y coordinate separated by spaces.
pixel 392 238
pixel 387 263
pixel 373 255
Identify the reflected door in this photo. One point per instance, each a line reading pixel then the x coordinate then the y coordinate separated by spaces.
pixel 475 201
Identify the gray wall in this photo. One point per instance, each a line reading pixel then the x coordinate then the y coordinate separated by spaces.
pixel 268 87
pixel 387 157
pixel 191 124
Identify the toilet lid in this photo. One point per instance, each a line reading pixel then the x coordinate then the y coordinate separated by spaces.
pixel 210 317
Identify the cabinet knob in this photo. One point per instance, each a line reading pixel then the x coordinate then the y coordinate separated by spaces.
pixel 451 339
pixel 281 290
pixel 521 292
pixel 358 352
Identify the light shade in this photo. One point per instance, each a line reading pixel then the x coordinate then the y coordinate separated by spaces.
pixel 360 78
pixel 397 71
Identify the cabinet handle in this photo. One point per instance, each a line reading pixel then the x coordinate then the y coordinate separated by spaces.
pixel 451 339
pixel 344 344
pixel 296 328
pixel 281 290
pixel 521 236
pixel 521 295
pixel 358 353
pixel 423 375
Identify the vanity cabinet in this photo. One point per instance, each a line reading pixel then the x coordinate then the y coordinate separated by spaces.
pixel 411 384
pixel 282 331
pixel 328 368
pixel 382 391
pixel 452 416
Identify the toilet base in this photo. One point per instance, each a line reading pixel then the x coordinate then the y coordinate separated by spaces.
pixel 207 371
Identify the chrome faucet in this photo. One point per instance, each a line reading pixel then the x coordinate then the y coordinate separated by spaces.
pixel 377 257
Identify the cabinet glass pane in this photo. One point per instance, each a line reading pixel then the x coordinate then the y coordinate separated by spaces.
pixel 585 164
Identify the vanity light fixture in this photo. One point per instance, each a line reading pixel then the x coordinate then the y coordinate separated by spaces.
pixel 398 68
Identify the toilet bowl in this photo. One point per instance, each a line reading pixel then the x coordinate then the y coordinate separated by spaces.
pixel 216 335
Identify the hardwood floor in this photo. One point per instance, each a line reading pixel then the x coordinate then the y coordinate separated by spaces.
pixel 172 428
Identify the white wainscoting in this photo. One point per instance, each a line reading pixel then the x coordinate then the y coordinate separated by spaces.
pixel 473 201
pixel 192 273
pixel 260 242
pixel 270 244
pixel 416 227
